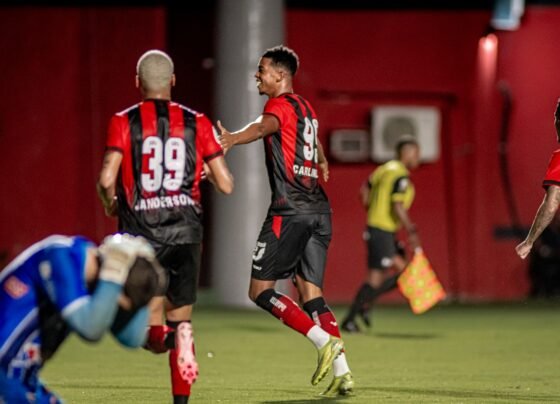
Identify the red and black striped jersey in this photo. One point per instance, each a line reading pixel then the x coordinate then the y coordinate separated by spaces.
pixel 163 145
pixel 292 159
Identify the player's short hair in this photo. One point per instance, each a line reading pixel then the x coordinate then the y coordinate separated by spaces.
pixel 145 280
pixel 405 140
pixel 557 111
pixel 155 69
pixel 283 56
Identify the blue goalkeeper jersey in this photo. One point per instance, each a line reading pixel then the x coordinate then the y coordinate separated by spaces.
pixel 48 275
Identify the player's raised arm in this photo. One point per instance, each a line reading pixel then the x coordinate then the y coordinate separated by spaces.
pixel 106 184
pixel 262 126
pixel 544 216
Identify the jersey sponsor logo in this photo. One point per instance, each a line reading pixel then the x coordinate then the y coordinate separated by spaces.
pixel 278 304
pixel 15 288
pixel 162 202
pixel 258 252
pixel 305 171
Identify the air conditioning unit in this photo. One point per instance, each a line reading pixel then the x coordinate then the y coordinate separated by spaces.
pixel 349 145
pixel 390 122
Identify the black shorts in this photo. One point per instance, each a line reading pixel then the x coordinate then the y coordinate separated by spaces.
pixel 182 263
pixel 382 246
pixel 290 245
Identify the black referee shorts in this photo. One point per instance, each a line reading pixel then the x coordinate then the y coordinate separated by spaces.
pixel 182 263
pixel 289 245
pixel 382 247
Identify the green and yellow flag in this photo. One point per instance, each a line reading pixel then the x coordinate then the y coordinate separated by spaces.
pixel 419 284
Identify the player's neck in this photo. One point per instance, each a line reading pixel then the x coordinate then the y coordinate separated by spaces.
pixel 282 90
pixel 157 95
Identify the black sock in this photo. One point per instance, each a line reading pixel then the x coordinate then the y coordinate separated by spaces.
pixel 387 285
pixel 180 399
pixel 364 296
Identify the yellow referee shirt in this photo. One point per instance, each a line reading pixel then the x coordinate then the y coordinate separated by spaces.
pixel 388 183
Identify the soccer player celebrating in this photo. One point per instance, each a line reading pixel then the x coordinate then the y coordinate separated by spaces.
pixel 551 201
pixel 66 284
pixel 386 195
pixel 297 231
pixel 156 154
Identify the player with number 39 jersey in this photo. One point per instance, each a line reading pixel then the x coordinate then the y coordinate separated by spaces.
pixel 163 145
pixel 156 154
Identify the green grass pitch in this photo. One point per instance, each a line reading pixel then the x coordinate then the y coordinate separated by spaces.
pixel 452 354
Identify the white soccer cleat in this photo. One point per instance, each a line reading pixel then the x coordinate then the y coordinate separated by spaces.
pixel 184 344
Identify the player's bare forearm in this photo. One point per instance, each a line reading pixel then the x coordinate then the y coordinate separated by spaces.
pixel 402 214
pixel 262 126
pixel 106 185
pixel 364 194
pixel 545 213
pixel 413 239
pixel 322 161
pixel 220 175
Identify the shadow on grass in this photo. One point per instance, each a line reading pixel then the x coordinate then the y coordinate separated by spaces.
pixel 254 328
pixel 396 335
pixel 309 400
pixel 119 387
pixel 507 396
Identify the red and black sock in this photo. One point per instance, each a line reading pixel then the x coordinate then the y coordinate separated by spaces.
pixel 180 388
pixel 285 309
pixel 322 315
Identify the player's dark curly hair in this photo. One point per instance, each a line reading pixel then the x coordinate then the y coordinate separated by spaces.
pixel 283 56
pixel 557 111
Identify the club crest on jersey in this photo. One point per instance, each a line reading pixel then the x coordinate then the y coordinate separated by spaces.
pixel 259 250
pixel 15 288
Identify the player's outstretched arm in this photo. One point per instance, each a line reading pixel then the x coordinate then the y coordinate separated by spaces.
pixel 544 216
pixel 219 175
pixel 264 125
pixel 106 184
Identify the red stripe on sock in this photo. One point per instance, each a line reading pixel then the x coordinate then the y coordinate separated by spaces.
pixel 179 387
pixel 329 324
pixel 290 313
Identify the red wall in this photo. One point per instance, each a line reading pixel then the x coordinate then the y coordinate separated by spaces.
pixel 63 73
pixel 354 60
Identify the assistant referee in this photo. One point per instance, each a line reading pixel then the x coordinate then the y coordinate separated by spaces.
pixel 387 195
